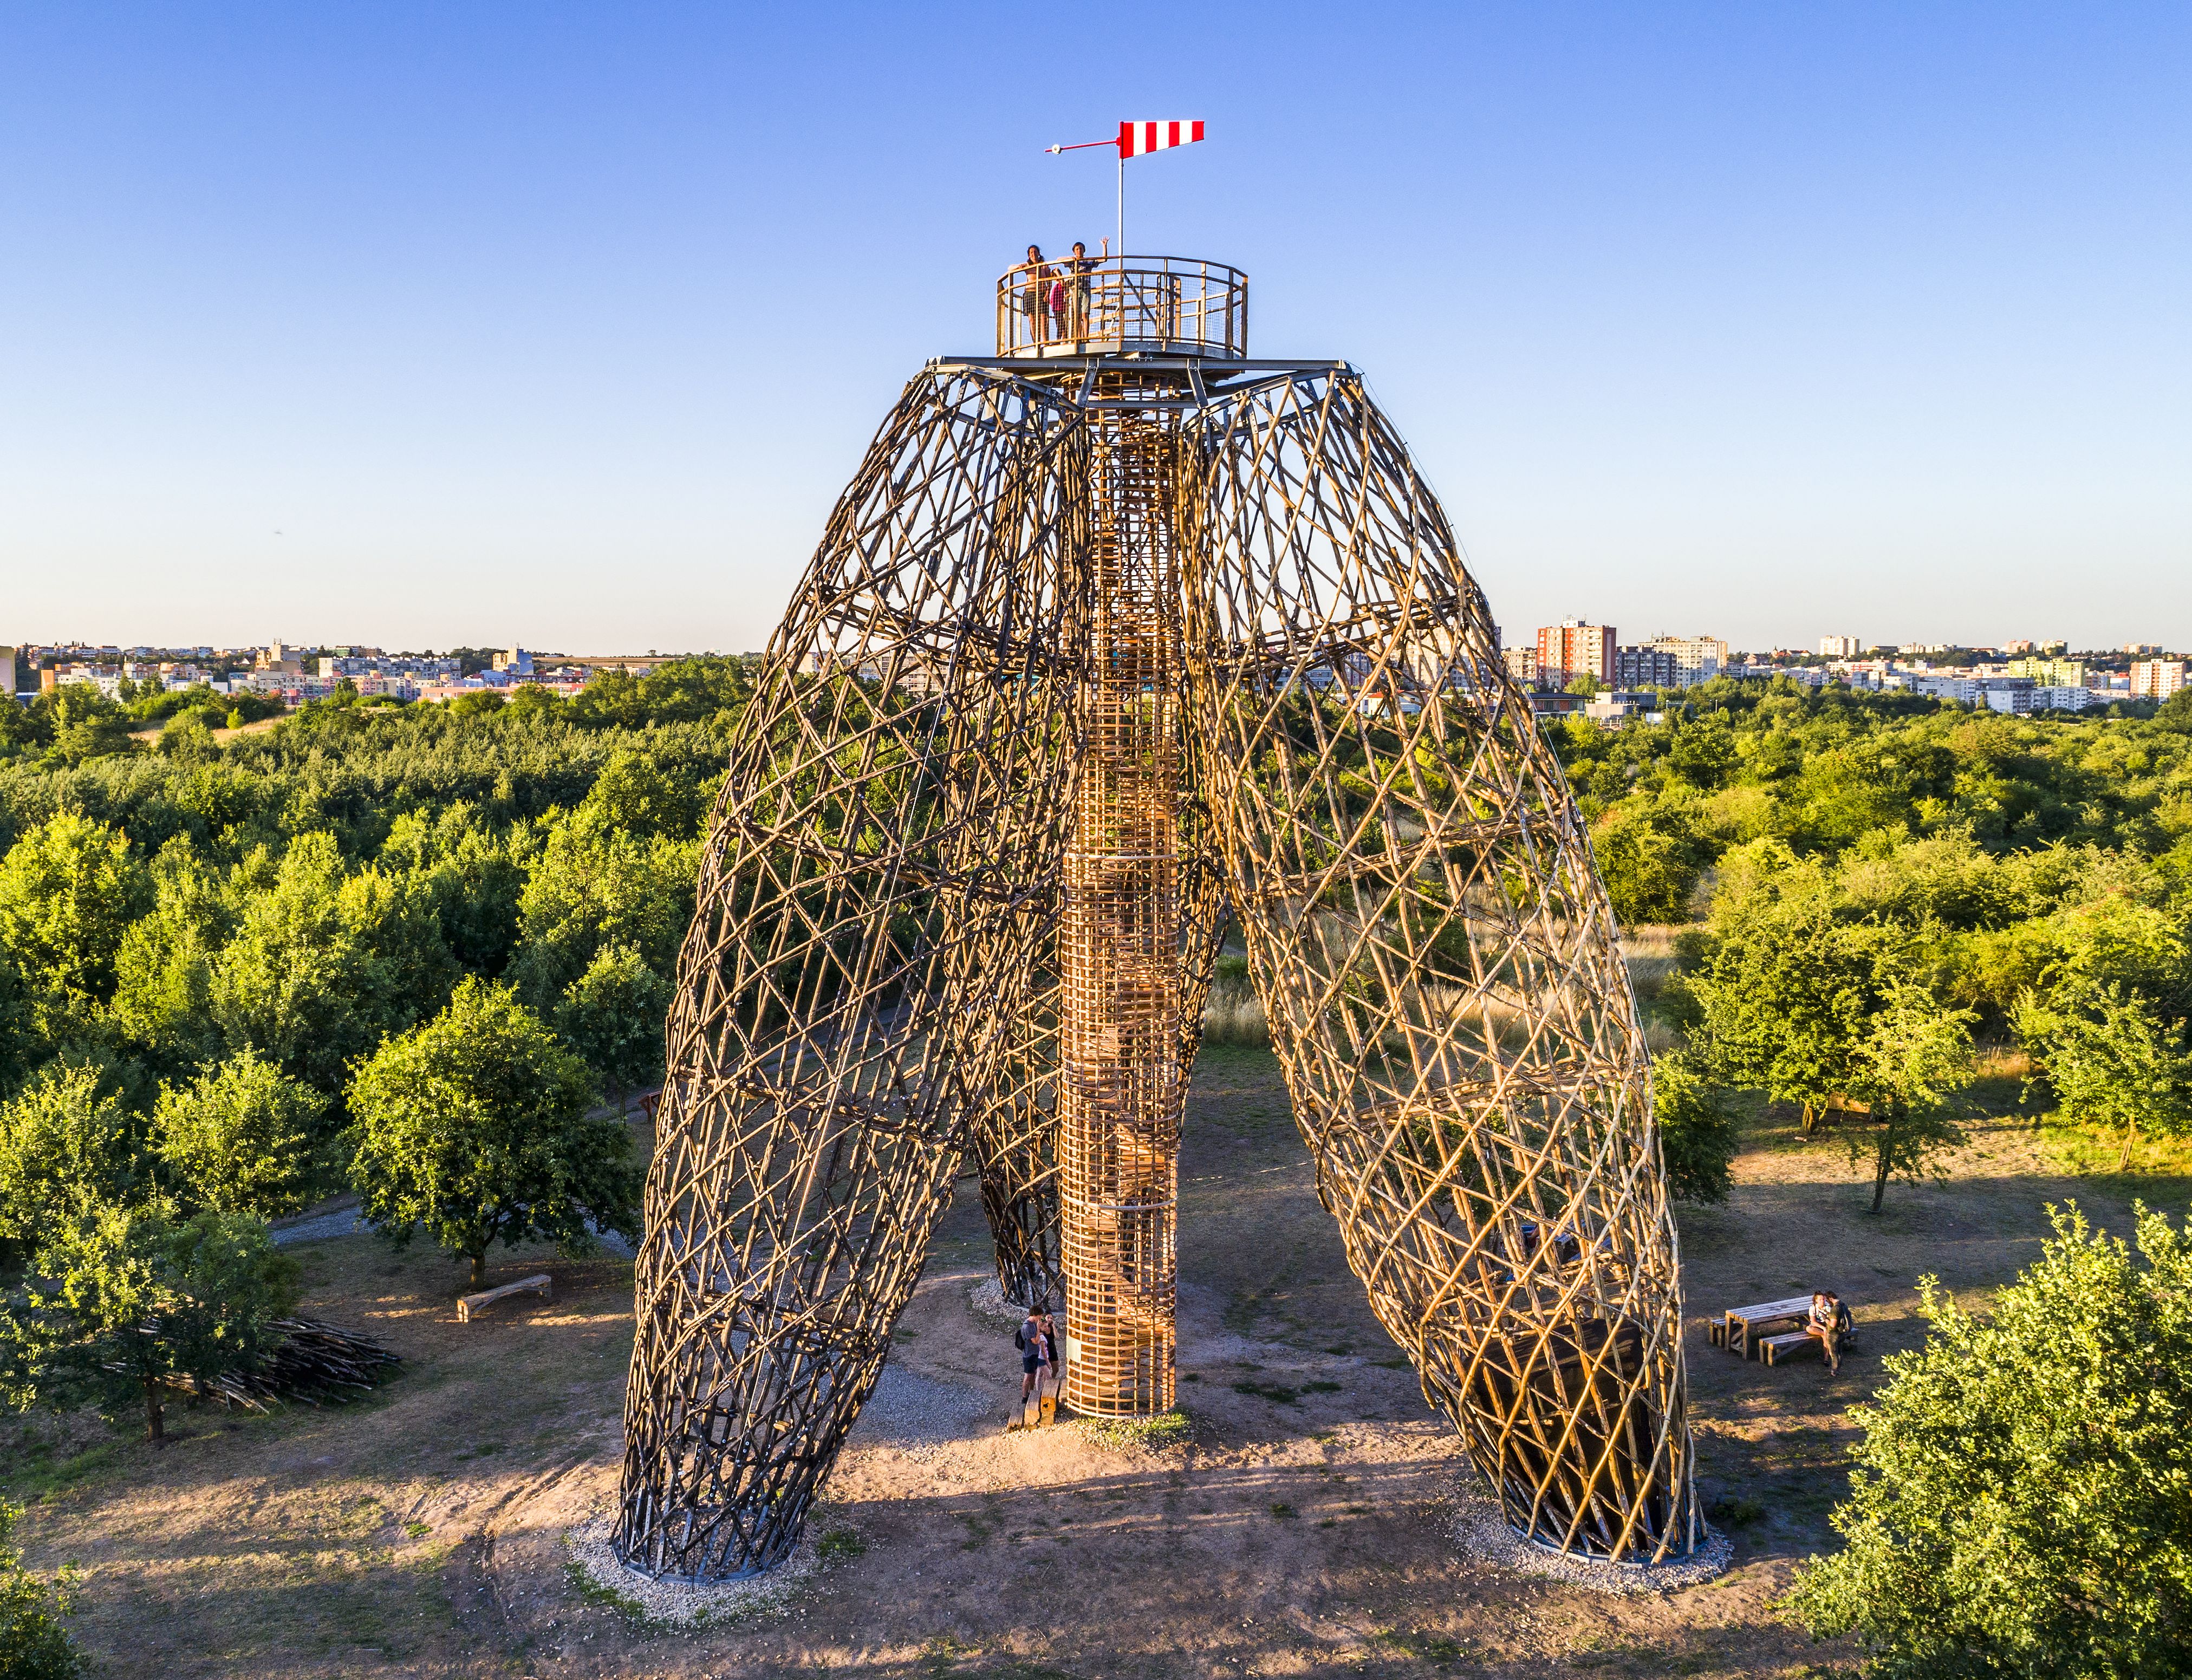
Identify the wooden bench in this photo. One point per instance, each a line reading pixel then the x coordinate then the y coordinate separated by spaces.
pixel 468 1304
pixel 1744 1323
pixel 1777 1350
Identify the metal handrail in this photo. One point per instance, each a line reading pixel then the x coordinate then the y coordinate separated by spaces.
pixel 1175 303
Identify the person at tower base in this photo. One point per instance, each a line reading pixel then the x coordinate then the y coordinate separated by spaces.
pixel 1033 1345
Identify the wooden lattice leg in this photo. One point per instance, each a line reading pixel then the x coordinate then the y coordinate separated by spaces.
pixel 854 975
pixel 1441 970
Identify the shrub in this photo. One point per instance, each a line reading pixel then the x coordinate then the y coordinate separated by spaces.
pixel 33 1643
pixel 1697 1134
pixel 2021 1500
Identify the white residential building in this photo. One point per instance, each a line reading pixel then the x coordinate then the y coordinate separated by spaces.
pixel 1840 646
pixel 2156 679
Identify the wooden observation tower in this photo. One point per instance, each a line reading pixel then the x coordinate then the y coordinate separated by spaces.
pixel 1121 642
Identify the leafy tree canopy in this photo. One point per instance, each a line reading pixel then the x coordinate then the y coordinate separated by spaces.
pixel 475 1126
pixel 126 1299
pixel 2022 1499
pixel 238 1139
pixel 67 1146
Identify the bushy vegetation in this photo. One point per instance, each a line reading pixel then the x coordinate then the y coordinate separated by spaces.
pixel 406 947
pixel 223 932
pixel 2021 1500
pixel 1872 886
pixel 34 1639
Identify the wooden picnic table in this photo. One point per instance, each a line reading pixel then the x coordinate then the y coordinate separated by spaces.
pixel 1744 1323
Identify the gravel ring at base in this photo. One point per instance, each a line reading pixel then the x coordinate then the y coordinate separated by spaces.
pixel 1481 1532
pixel 988 1299
pixel 677 1604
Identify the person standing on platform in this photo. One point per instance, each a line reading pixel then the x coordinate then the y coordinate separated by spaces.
pixel 1036 277
pixel 1078 268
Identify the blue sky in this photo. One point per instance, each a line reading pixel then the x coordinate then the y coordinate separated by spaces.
pixel 565 324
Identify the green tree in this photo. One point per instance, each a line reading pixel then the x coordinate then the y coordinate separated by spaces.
pixel 1917 1053
pixel 613 1015
pixel 238 1139
pixel 324 964
pixel 632 797
pixel 2114 1063
pixel 1704 755
pixel 475 1126
pixel 64 1149
pixel 594 886
pixel 129 1298
pixel 69 890
pixel 1784 1005
pixel 2021 1502
pixel 1698 1136
pixel 34 1644
pixel 1650 856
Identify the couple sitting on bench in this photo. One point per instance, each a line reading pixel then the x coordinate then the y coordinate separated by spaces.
pixel 1830 1323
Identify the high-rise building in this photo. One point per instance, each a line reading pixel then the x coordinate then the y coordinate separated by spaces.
pixel 1522 665
pixel 1573 649
pixel 1697 658
pixel 11 673
pixel 1839 646
pixel 2156 679
pixel 2142 650
pixel 1645 667
pixel 515 661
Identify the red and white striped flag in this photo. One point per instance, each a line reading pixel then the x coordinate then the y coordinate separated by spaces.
pixel 1137 138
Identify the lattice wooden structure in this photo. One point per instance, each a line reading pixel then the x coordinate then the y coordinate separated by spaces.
pixel 1115 633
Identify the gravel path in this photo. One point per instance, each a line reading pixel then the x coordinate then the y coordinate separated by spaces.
pixel 347 1221
pixel 907 1410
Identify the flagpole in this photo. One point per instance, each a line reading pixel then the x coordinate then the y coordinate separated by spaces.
pixel 1120 249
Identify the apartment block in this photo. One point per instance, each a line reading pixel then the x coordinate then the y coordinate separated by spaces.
pixel 1645 668
pixel 1840 646
pixel 1697 658
pixel 1573 649
pixel 2156 679
pixel 1521 665
pixel 2052 673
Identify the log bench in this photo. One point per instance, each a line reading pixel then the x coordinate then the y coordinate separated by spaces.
pixel 468 1304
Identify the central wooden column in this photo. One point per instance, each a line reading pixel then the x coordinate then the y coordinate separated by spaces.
pixel 1120 1089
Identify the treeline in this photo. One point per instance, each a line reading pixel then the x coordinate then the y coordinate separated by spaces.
pixel 1871 886
pixel 279 905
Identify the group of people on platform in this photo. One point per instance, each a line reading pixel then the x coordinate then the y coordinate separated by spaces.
pixel 1055 296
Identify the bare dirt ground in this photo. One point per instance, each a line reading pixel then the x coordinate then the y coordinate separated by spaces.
pixel 1302 1529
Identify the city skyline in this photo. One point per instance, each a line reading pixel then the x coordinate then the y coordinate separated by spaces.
pixel 392 326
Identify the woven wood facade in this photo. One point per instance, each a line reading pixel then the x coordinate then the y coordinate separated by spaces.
pixel 1096 654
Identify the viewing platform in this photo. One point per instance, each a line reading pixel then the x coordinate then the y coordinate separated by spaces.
pixel 1118 306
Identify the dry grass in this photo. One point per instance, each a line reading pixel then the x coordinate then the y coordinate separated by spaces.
pixel 1298 1528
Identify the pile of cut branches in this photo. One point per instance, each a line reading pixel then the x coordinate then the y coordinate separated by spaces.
pixel 314 1361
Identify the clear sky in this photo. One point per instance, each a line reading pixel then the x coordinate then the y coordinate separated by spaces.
pixel 421 325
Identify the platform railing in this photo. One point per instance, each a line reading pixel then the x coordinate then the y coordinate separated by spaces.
pixel 1106 303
